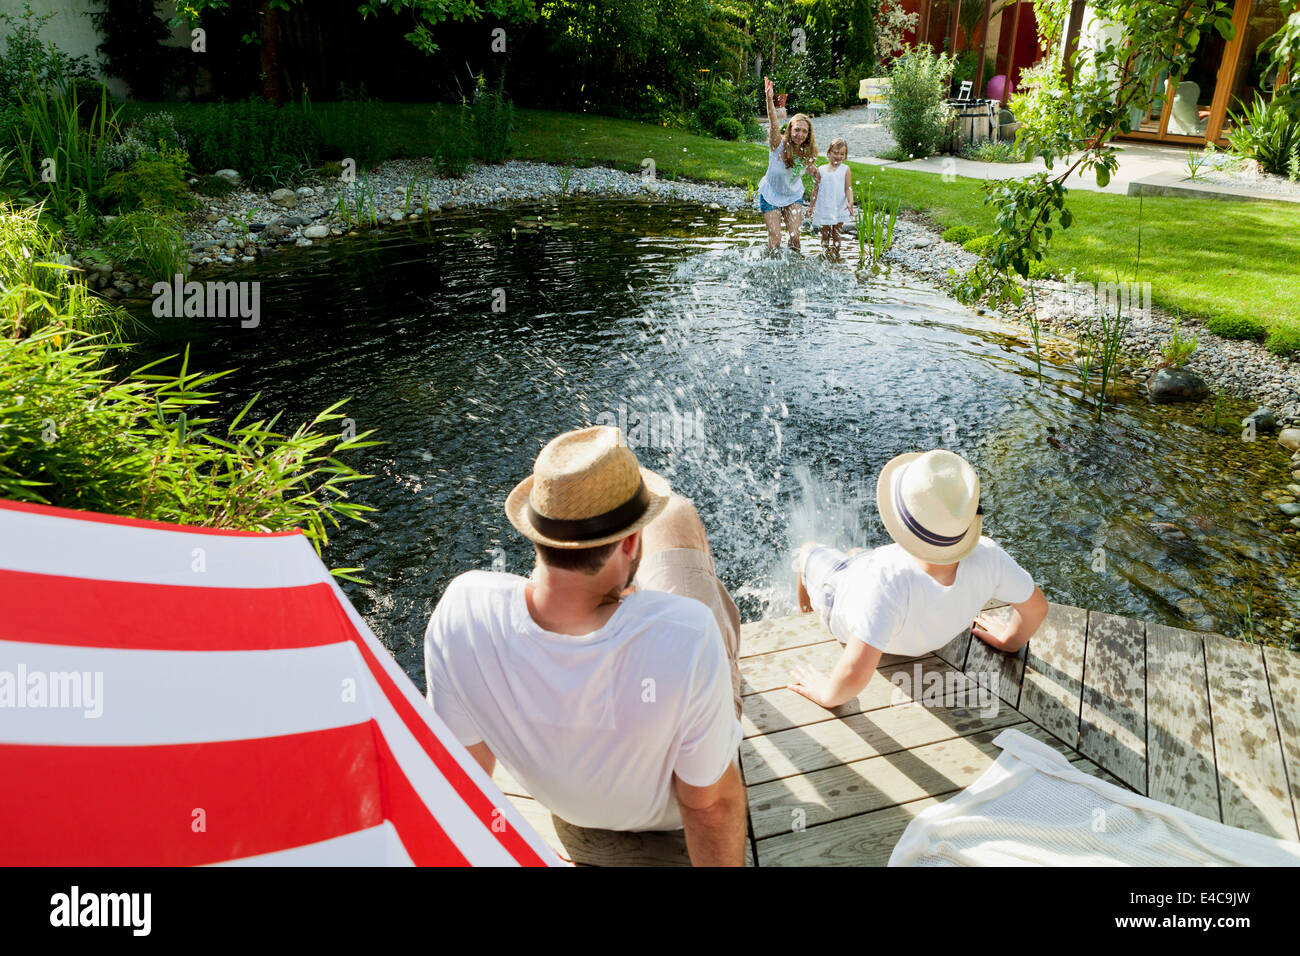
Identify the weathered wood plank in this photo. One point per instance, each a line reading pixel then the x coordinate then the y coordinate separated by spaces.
pixel 782 633
pixel 954 652
pixel 1112 726
pixel 782 709
pixel 867 839
pixel 770 671
pixel 508 784
pixel 1180 738
pixel 1248 753
pixel 994 669
pixel 589 847
pixel 1283 668
pixel 780 806
pixel 881 731
pixel 1052 688
pixel 541 820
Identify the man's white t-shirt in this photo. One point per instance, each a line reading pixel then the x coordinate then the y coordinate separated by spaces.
pixel 884 598
pixel 593 726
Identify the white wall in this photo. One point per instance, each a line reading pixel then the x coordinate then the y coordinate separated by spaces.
pixel 75 34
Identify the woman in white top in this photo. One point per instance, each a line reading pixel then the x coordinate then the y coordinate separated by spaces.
pixel 780 191
pixel 832 198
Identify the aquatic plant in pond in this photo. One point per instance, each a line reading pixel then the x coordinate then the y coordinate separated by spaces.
pixel 875 225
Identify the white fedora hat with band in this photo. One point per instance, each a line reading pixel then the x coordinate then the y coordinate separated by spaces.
pixel 930 504
pixel 586 490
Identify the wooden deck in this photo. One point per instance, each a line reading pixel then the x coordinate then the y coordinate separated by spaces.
pixel 1195 720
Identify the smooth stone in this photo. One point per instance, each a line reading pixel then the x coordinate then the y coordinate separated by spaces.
pixel 1176 385
pixel 256 226
pixel 1295 522
pixel 223 224
pixel 316 232
pixel 1290 439
pixel 305 192
pixel 1290 508
pixel 229 175
pixel 1265 420
pixel 1168 531
pixel 1294 489
pixel 303 242
pixel 276 231
pixel 285 197
pixel 294 221
pixel 396 216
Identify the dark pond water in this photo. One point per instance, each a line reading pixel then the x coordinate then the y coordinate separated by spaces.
pixel 770 391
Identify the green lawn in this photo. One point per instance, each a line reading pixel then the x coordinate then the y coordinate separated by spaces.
pixel 1205 257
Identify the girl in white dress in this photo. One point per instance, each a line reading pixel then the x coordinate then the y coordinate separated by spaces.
pixel 832 197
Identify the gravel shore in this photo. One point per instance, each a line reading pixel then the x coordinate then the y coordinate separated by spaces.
pixel 247 223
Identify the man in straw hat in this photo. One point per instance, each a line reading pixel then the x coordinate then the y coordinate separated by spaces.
pixel 912 597
pixel 606 683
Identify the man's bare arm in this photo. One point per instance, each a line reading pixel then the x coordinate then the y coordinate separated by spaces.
pixel 1026 618
pixel 485 757
pixel 714 819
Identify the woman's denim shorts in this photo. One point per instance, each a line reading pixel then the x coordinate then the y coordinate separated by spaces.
pixel 765 206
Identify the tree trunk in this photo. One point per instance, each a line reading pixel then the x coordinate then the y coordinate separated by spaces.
pixel 272 88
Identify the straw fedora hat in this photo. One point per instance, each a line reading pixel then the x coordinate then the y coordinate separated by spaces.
pixel 930 504
pixel 586 490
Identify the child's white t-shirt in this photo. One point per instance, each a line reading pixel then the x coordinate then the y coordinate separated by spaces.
pixel 884 598
pixel 594 726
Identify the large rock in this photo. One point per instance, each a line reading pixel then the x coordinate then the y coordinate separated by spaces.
pixel 1176 385
pixel 316 232
pixel 1265 420
pixel 229 175
pixel 1289 439
pixel 285 197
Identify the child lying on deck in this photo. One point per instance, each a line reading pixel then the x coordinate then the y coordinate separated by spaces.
pixel 914 596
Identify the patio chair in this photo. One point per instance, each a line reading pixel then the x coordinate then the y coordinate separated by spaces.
pixel 875 91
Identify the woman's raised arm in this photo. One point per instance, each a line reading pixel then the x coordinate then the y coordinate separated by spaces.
pixel 773 127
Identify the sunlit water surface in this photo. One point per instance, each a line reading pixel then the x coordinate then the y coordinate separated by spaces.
pixel 770 391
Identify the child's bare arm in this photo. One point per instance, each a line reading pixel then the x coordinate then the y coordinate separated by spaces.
pixel 848 188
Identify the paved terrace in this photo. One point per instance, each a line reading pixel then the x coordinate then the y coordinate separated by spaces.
pixel 1196 720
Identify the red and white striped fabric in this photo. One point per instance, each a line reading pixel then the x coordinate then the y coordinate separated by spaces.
pixel 229 705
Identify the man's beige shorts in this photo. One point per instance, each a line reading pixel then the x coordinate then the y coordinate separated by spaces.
pixel 690 573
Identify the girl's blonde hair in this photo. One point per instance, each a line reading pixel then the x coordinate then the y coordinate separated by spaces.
pixel 809 148
pixel 837 142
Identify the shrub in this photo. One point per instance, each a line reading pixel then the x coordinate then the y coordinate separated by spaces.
pixel 28 64
pixel 268 145
pixel 152 135
pixel 215 186
pixel 729 128
pixel 54 128
pixel 1284 339
pixel 1266 132
pixel 154 183
pixel 494 123
pixel 918 85
pixel 980 245
pixel 1039 269
pixel 1235 327
pixel 453 137
pixel 347 129
pixel 812 106
pixel 1178 348
pixel 713 110
pixel 959 234
pixel 150 241
pixel 86 437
